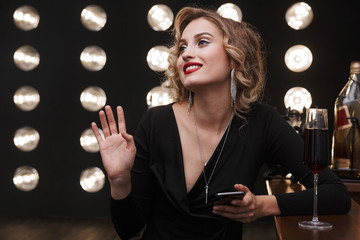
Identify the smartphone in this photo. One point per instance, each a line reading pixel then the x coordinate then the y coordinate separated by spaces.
pixel 225 198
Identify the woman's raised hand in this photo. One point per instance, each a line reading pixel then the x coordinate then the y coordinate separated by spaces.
pixel 117 150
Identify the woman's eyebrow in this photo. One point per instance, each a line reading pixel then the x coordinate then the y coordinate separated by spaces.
pixel 197 36
pixel 202 33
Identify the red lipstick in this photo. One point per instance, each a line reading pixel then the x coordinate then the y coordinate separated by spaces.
pixel 191 67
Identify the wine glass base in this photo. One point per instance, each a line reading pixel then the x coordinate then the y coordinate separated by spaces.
pixel 315 225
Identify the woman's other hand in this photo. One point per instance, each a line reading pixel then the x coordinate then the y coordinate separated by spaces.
pixel 117 150
pixel 248 209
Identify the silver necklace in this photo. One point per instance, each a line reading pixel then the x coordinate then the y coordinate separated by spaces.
pixel 207 181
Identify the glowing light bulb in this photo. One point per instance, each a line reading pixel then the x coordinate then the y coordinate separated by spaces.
pixel 297 98
pixel 88 140
pixel 93 98
pixel 157 58
pixel 299 15
pixel 26 18
pixel 26 98
pixel 26 58
pixel 26 178
pixel 298 58
pixel 231 11
pixel 93 58
pixel 26 139
pixel 160 17
pixel 92 179
pixel 158 96
pixel 93 18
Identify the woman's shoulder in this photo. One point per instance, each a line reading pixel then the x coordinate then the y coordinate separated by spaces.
pixel 159 114
pixel 263 114
pixel 259 109
pixel 162 109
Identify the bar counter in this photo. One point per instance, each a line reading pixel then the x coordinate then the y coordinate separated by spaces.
pixel 345 226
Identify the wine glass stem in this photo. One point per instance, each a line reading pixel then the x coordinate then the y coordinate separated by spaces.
pixel 315 214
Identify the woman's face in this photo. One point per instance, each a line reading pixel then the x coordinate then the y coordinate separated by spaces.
pixel 203 60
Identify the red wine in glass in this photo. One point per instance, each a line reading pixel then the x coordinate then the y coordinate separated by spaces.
pixel 316 157
pixel 316 152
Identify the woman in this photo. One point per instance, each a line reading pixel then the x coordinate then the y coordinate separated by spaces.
pixel 214 138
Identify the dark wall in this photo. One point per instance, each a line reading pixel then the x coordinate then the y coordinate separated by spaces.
pixel 126 79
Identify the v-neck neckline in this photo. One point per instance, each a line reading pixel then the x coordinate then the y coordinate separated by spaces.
pixel 200 179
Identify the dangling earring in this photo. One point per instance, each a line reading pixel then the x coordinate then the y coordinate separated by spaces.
pixel 233 88
pixel 190 102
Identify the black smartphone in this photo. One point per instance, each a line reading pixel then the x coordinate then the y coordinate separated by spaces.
pixel 224 198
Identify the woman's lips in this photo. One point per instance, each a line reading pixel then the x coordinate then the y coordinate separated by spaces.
pixel 191 67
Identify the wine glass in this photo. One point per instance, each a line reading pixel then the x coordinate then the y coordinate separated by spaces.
pixel 316 157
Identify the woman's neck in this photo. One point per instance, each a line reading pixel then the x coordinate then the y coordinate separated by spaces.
pixel 212 112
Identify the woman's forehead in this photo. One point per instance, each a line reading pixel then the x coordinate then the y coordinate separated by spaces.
pixel 200 25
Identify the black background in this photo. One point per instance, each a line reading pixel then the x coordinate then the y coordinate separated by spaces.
pixel 126 78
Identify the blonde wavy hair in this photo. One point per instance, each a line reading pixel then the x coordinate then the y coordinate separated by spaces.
pixel 243 45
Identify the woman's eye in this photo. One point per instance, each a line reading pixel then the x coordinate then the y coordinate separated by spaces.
pixel 202 42
pixel 182 48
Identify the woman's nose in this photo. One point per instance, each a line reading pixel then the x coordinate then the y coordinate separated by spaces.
pixel 188 53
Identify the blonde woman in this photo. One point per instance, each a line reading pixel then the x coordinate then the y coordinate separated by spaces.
pixel 214 138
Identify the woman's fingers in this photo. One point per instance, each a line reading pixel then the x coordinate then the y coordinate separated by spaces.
pixel 121 119
pixel 129 139
pixel 235 208
pixel 248 198
pixel 111 120
pixel 108 123
pixel 241 217
pixel 96 132
pixel 240 187
pixel 235 213
pixel 240 210
pixel 104 124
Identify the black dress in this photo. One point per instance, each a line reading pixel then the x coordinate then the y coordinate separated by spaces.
pixel 159 199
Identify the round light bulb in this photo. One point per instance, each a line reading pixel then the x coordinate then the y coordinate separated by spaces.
pixel 157 58
pixel 26 178
pixel 298 58
pixel 26 58
pixel 88 140
pixel 158 96
pixel 92 179
pixel 93 58
pixel 231 11
pixel 26 18
pixel 26 98
pixel 93 18
pixel 160 17
pixel 299 15
pixel 26 139
pixel 297 98
pixel 93 98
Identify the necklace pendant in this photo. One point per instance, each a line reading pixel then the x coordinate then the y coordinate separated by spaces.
pixel 207 181
pixel 206 193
